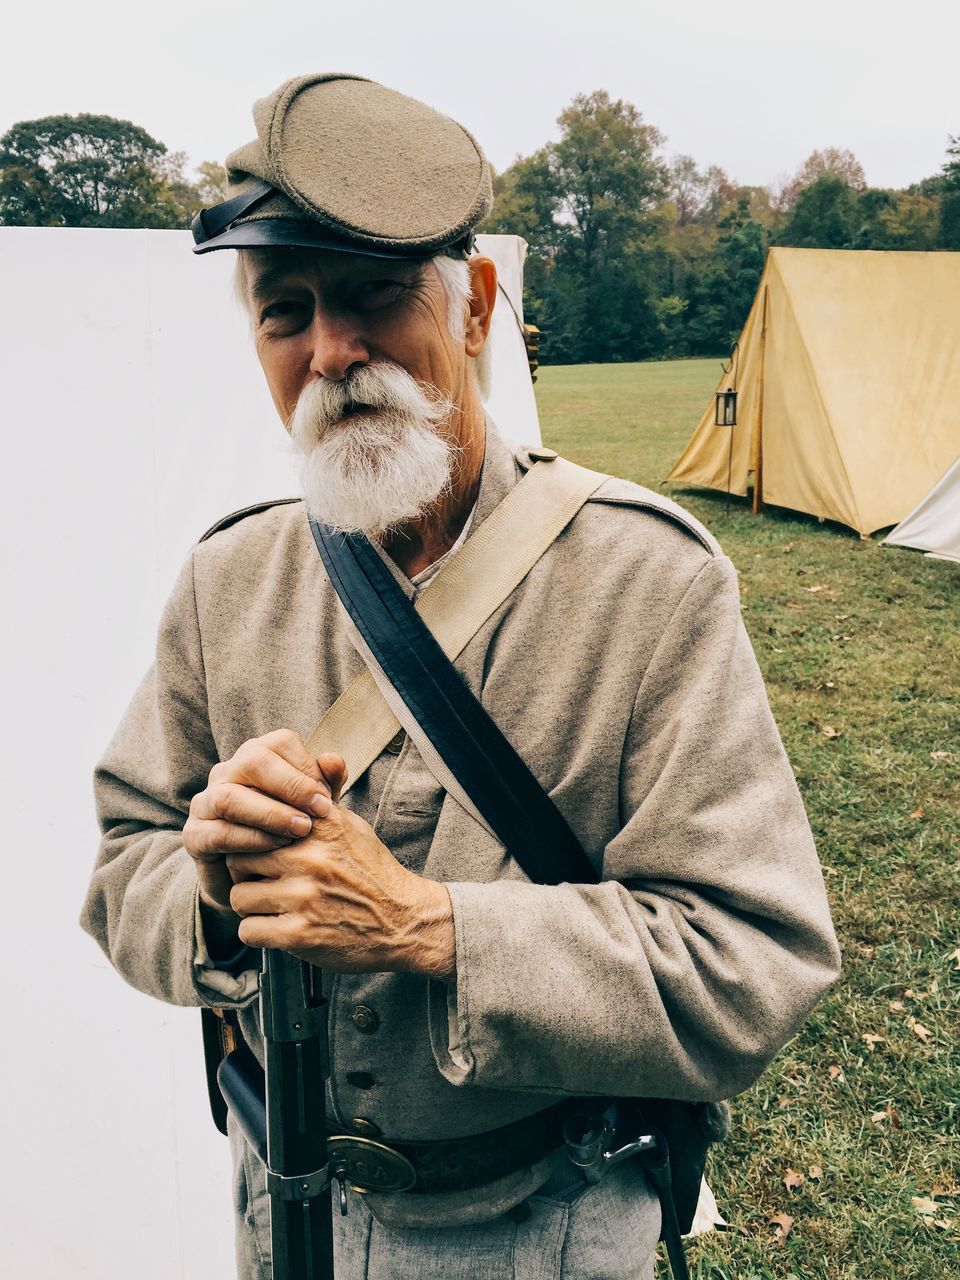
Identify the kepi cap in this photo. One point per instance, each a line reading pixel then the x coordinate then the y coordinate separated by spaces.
pixel 340 162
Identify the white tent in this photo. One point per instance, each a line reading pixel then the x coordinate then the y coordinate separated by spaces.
pixel 934 523
pixel 134 415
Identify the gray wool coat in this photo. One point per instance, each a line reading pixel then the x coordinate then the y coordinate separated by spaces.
pixel 621 671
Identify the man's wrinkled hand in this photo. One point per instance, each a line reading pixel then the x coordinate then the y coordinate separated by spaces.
pixel 341 900
pixel 265 796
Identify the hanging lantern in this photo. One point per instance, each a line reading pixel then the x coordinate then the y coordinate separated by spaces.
pixel 726 408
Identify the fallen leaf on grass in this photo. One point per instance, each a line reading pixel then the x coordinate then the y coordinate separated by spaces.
pixel 813 590
pixel 917 813
pixel 836 1073
pixel 941 755
pixel 944 1224
pixel 793 605
pixel 787 547
pixel 793 1179
pixel 871 1040
pixel 925 1206
pixel 897 1006
pixel 920 1031
pixel 829 731
pixel 955 957
pixel 783 1224
pixel 815 1172
pixel 888 1113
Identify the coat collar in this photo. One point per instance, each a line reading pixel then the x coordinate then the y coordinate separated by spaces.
pixel 501 470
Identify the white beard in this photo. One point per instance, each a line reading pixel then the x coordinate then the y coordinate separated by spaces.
pixel 372 472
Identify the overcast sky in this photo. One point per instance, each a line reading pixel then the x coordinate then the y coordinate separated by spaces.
pixel 751 86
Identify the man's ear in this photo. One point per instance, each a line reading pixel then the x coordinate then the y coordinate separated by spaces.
pixel 483 297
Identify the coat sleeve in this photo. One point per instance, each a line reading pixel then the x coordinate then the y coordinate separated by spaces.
pixel 709 939
pixel 142 906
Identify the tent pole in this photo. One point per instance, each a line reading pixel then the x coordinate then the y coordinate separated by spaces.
pixel 758 469
pixel 730 469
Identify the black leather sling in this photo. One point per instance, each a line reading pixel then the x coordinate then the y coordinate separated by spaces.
pixel 514 804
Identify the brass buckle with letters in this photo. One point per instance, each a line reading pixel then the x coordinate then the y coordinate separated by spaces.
pixel 372 1166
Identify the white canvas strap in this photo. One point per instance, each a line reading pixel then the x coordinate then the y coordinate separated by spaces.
pixel 458 601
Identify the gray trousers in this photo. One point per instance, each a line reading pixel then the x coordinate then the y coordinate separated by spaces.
pixel 573 1232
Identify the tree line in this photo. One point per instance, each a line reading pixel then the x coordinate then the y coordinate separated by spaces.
pixel 632 256
pixel 96 171
pixel 635 257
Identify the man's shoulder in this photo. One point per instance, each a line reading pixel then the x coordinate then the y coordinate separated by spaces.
pixel 659 517
pixel 257 548
pixel 644 518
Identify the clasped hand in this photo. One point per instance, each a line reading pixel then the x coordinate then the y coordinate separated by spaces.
pixel 272 845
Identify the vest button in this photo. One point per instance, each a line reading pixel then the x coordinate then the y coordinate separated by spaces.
pixel 364 1019
pixel 365 1128
pixel 395 745
pixel 360 1079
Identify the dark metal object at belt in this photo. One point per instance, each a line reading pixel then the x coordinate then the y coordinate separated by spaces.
pixel 452 1164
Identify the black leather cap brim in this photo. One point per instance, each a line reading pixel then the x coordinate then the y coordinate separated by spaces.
pixel 293 234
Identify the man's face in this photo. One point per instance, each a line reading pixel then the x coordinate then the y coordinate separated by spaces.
pixel 369 375
pixel 321 314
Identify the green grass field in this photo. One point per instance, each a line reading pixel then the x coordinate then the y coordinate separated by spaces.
pixel 863 641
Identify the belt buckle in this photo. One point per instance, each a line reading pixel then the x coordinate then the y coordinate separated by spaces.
pixel 372 1166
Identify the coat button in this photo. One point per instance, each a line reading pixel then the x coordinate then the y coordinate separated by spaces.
pixel 360 1079
pixel 365 1128
pixel 395 745
pixel 364 1019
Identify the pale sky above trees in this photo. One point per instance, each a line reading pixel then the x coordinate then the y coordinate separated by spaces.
pixel 754 87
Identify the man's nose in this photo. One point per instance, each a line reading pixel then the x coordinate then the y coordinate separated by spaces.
pixel 338 345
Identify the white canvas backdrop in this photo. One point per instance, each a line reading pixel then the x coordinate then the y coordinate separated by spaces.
pixel 133 416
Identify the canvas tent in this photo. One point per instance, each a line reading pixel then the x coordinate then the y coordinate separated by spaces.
pixel 848 377
pixel 134 416
pixel 934 523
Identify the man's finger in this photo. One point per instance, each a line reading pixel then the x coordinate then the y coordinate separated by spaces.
pixel 276 932
pixel 258 765
pixel 267 897
pixel 244 865
pixel 216 837
pixel 290 746
pixel 251 808
pixel 334 770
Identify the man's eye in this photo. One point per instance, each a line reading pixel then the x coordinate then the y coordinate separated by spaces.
pixel 285 313
pixel 372 292
pixel 283 308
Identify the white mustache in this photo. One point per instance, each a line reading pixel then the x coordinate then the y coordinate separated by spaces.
pixel 383 386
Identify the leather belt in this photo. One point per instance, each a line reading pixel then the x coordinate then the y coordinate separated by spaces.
pixel 451 1164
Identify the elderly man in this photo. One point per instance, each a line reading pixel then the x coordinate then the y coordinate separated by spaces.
pixel 466 998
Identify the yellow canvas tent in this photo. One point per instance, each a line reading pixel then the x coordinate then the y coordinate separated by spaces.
pixel 848 381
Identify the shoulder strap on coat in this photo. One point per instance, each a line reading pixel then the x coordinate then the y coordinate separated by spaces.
pixel 236 516
pixel 621 493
